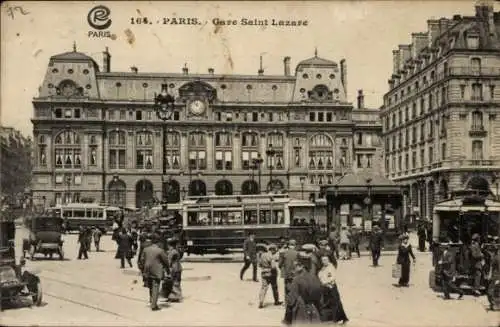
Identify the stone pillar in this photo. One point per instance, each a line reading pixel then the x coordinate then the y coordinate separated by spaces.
pixel 210 151
pixel 236 139
pixel 184 152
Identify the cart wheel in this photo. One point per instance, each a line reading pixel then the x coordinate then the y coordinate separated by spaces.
pixel 38 296
pixel 61 254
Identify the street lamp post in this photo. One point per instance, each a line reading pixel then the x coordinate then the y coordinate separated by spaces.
pixel 164 107
pixel 368 199
pixel 68 183
pixel 270 153
pixel 257 162
pixel 302 181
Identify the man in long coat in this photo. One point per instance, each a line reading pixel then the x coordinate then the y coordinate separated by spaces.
pixel 155 263
pixel 287 265
pixel 304 299
pixel 477 262
pixel 82 239
pixel 375 244
pixel 250 253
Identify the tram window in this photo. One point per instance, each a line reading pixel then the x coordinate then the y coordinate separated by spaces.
pixel 67 214
pixel 250 217
pixel 227 218
pixel 265 217
pixel 100 213
pixel 79 213
pixel 199 218
pixel 278 217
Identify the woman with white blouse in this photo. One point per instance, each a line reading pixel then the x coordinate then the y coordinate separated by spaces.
pixel 331 305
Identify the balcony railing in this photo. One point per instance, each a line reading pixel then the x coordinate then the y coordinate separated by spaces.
pixel 477 162
pixel 478 131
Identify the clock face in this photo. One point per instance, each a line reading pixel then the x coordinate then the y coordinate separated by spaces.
pixel 197 107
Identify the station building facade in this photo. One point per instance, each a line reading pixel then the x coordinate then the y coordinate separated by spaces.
pixel 97 137
pixel 441 122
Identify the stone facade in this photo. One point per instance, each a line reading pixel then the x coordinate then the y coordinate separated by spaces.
pixel 97 134
pixel 440 117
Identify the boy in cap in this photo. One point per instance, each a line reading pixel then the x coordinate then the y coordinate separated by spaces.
pixel 269 274
pixel 287 265
pixel 448 273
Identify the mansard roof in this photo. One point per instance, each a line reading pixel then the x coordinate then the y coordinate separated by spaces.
pixel 71 56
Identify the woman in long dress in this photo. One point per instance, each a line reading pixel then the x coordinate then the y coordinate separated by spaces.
pixel 404 253
pixel 331 304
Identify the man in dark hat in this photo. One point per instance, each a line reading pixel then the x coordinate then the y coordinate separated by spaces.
pixel 250 253
pixel 175 269
pixel 304 299
pixel 82 239
pixel 269 275
pixel 448 272
pixel 155 263
pixel 421 233
pixel 375 244
pixel 287 265
pixel 477 262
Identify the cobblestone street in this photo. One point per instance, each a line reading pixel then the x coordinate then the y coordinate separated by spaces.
pixel 97 292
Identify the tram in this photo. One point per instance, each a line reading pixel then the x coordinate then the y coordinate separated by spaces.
pixel 454 222
pixel 221 223
pixel 86 215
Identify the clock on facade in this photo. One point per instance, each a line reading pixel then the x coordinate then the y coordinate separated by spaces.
pixel 197 107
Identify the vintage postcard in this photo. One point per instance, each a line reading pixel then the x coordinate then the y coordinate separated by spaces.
pixel 219 163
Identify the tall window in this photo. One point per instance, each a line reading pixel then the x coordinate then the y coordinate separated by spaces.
pixel 223 151
pixel 431 155
pixel 197 151
pixel 477 121
pixel 67 148
pixel 477 150
pixel 414 159
pixel 173 150
pixel 250 149
pixel 414 135
pixel 407 137
pixel 92 153
pixel 117 150
pixel 422 157
pixel 475 64
pixel 443 151
pixel 359 138
pixel 422 131
pixel 276 141
pixel 42 151
pixel 321 152
pixel 477 92
pixel 144 150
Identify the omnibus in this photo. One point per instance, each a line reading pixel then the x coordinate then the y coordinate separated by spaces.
pixel 86 214
pixel 221 223
pixel 454 222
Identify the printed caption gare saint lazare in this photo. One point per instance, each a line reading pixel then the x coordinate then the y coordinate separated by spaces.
pixel 276 22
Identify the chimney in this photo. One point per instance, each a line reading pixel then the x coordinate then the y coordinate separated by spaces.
pixel 185 69
pixel 485 12
pixel 433 31
pixel 405 54
pixel 211 71
pixel 106 62
pixel 419 41
pixel 134 69
pixel 444 24
pixel 343 75
pixel 286 64
pixel 361 99
pixel 261 69
pixel 396 59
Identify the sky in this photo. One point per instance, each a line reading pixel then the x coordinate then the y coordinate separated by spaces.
pixel 362 32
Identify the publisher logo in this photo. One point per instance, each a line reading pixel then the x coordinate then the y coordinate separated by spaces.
pixel 98 17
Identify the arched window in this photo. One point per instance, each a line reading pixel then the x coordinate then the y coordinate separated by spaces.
pixel 276 143
pixel 477 121
pixel 249 149
pixel 117 193
pixel 320 152
pixel 144 150
pixel 67 148
pixel 197 151
pixel 223 151
pixel 117 150
pixel 477 150
pixel 42 151
pixel 173 150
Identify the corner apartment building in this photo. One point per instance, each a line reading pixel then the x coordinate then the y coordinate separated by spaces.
pixel 441 122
